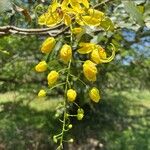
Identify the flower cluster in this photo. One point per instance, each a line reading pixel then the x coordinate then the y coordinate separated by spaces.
pixel 74 14
pixel 70 10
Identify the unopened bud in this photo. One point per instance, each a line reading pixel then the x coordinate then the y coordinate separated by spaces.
pixel 71 140
pixel 70 126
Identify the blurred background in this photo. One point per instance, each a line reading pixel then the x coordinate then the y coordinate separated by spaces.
pixel 121 121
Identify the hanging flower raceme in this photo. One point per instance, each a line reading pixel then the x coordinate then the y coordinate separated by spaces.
pixel 41 66
pixel 48 45
pixel 75 14
pixel 94 94
pixel 90 70
pixel 52 77
pixel 66 53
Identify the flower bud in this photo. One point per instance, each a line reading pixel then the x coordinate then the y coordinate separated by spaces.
pixel 42 93
pixel 52 77
pixel 70 126
pixel 94 94
pixel 90 70
pixel 55 138
pixel 41 66
pixel 80 114
pixel 77 30
pixel 65 53
pixel 71 140
pixel 71 95
pixel 48 45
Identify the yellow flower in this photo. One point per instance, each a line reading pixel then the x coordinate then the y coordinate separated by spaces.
pixel 91 18
pixel 90 70
pixel 42 93
pixel 71 95
pixel 65 53
pixel 94 94
pixel 41 66
pixel 86 48
pixel 52 77
pixel 98 54
pixel 48 45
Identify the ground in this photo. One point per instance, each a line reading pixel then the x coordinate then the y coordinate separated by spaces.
pixel 121 121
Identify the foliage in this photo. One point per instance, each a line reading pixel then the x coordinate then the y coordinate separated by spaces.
pixel 126 26
pixel 122 122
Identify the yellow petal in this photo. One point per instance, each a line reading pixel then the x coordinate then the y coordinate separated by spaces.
pixel 65 4
pixel 96 14
pixel 54 19
pixel 67 20
pixel 98 54
pixel 86 48
pixel 52 8
pixel 76 6
pixel 85 3
pixel 106 60
pixel 95 56
pixel 77 30
pixel 91 21
pixel 42 19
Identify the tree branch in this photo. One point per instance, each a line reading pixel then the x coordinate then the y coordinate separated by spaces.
pixel 54 31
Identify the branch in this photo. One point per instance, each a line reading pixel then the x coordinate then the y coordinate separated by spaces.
pixel 54 31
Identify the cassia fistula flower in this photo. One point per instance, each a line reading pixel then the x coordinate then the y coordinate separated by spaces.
pixel 66 53
pixel 71 95
pixel 90 70
pixel 52 77
pixel 92 17
pixel 41 66
pixel 94 94
pixel 98 54
pixel 48 45
pixel 42 93
pixel 86 48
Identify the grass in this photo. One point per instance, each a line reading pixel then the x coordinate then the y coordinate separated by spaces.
pixel 120 122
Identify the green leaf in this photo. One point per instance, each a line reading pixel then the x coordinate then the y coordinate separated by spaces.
pixel 134 12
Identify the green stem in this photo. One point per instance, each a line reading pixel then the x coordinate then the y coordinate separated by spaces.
pixel 64 104
pixel 56 86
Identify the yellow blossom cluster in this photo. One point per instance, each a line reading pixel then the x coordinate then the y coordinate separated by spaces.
pixel 76 15
pixel 69 10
